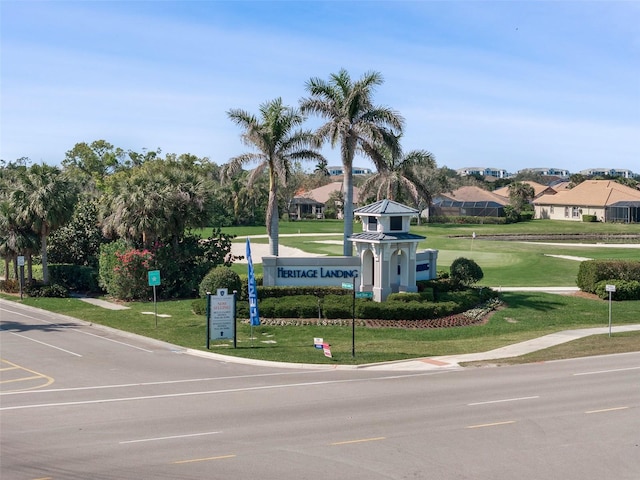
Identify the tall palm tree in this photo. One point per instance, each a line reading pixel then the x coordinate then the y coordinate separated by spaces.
pixel 278 142
pixel 354 123
pixel 45 200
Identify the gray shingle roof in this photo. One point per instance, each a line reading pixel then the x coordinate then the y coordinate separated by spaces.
pixel 385 207
pixel 379 236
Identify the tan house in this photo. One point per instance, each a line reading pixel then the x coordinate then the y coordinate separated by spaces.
pixel 469 201
pixel 312 203
pixel 609 201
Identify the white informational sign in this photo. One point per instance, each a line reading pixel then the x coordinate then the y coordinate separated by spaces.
pixel 21 261
pixel 609 288
pixel 222 315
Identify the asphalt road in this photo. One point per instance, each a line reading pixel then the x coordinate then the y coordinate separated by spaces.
pixel 82 402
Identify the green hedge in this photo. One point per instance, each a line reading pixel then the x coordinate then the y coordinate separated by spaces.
pixel 79 278
pixel 591 272
pixel 589 218
pixel 625 290
pixel 399 306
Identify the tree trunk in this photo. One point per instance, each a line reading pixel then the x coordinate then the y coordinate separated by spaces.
pixel 272 214
pixel 348 209
pixel 45 267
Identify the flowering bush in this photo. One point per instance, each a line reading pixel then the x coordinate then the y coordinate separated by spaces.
pixel 131 274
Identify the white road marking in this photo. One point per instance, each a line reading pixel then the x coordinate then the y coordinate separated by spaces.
pixel 503 400
pixel 606 371
pixel 74 328
pixel 167 438
pixel 46 344
pixel 190 394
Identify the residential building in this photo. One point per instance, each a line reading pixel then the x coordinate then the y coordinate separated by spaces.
pixel 484 171
pixel 339 170
pixel 609 201
pixel 611 172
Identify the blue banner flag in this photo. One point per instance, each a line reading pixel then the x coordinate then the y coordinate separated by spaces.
pixel 254 316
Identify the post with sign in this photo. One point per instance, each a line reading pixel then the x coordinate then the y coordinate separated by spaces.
pixel 610 289
pixel 221 316
pixel 154 281
pixel 21 265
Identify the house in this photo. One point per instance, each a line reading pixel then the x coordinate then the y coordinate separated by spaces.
pixel 609 201
pixel 538 190
pixel 312 203
pixel 469 201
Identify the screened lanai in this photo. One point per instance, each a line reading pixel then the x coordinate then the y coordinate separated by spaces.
pixel 623 212
pixel 455 208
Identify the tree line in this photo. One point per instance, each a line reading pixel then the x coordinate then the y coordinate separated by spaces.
pixel 102 193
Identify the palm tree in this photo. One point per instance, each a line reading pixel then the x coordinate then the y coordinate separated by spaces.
pixel 398 177
pixel 45 200
pixel 277 145
pixel 353 122
pixel 520 194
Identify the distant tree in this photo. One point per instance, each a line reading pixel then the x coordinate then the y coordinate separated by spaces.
pixel 520 195
pixel 95 160
pixel 322 168
pixel 529 175
pixel 576 179
pixel 278 142
pixel 354 123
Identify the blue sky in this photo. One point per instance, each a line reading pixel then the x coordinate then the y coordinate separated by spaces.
pixel 508 84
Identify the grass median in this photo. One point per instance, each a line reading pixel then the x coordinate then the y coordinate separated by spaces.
pixel 525 316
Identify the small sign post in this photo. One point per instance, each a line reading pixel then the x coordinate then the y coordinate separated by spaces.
pixel 21 265
pixel 154 281
pixel 221 316
pixel 610 289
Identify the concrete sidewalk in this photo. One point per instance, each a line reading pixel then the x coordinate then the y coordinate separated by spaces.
pixel 515 350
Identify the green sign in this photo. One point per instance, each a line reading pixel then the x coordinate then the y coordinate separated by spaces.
pixel 364 294
pixel 347 286
pixel 154 278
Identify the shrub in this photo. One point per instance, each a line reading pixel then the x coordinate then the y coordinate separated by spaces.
pixel 337 306
pixel 297 306
pixel 74 277
pixel 220 277
pixel 465 272
pixel 52 291
pixel 10 286
pixel 130 279
pixel 589 218
pixel 591 272
pixel 625 290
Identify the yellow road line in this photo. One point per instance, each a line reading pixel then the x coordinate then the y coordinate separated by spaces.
pixel 491 424
pixel 361 440
pixel 202 459
pixel 607 410
pixel 21 379
pixel 37 375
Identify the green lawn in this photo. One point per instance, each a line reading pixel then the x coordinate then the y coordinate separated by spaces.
pixel 505 263
pixel 526 316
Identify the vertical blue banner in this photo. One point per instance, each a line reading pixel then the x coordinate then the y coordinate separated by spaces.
pixel 254 316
